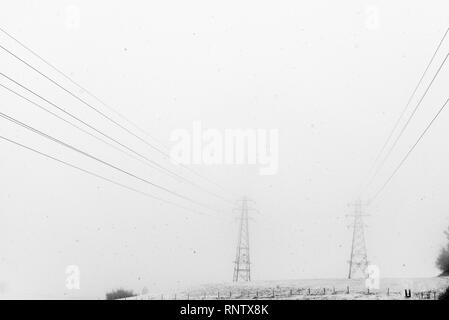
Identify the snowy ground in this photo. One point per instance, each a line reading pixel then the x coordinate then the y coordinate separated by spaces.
pixel 313 289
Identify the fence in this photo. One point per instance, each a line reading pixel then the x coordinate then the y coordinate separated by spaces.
pixel 291 293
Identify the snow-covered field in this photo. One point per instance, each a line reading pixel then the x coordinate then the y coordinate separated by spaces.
pixel 330 289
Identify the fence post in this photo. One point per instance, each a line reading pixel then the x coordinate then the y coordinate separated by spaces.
pixel 308 291
pixel 230 294
pixel 347 290
pixel 273 292
pixel 408 293
pixel 333 290
pixel 388 291
pixel 218 295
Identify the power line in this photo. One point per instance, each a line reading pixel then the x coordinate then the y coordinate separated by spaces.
pixel 410 99
pixel 152 163
pixel 73 81
pixel 100 176
pixel 98 100
pixel 100 113
pixel 75 126
pixel 51 138
pixel 78 98
pixel 409 152
pixel 408 120
pixel 85 123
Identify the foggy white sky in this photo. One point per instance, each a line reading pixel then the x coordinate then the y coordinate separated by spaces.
pixel 316 70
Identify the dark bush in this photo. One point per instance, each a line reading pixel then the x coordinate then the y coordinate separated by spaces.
pixel 443 259
pixel 444 295
pixel 119 294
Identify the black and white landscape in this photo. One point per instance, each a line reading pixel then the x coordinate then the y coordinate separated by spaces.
pixel 224 149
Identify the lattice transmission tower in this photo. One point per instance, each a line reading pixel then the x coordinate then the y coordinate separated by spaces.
pixel 242 264
pixel 358 261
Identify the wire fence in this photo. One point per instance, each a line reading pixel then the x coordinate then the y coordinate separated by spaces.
pixel 294 293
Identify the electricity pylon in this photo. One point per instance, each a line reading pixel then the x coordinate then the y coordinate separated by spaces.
pixel 358 261
pixel 242 264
